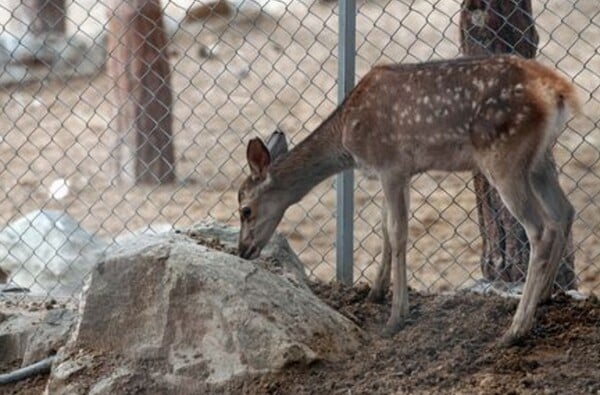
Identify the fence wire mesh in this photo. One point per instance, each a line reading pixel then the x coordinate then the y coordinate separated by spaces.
pixel 240 69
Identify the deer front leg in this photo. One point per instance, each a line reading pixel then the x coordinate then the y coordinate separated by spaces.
pixel 396 197
pixel 382 281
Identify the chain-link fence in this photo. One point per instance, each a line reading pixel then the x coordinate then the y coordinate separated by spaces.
pixel 237 70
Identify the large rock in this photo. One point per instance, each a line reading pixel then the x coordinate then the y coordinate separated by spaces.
pixel 165 314
pixel 48 253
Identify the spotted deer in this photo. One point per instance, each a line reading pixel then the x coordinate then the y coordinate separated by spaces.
pixel 498 114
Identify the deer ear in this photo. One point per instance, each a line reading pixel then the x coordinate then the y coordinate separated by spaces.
pixel 258 158
pixel 277 144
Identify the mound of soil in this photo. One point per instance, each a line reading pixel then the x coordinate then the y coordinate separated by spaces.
pixel 448 345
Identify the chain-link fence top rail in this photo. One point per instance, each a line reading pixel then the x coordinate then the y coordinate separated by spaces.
pixel 267 64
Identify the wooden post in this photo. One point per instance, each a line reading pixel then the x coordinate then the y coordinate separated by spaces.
pixel 46 16
pixel 493 27
pixel 137 63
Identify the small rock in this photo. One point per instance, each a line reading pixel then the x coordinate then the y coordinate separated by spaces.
pixel 277 47
pixel 207 52
pixel 30 334
pixel 243 72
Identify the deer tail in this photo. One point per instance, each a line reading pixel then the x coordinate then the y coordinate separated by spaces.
pixel 553 89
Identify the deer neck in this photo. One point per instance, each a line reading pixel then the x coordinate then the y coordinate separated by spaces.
pixel 319 156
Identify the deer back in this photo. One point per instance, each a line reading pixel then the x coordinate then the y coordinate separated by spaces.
pixel 436 115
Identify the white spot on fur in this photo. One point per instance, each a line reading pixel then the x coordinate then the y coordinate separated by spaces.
pixel 519 88
pixel 479 84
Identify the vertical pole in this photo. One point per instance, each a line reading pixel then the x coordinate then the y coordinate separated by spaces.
pixel 345 180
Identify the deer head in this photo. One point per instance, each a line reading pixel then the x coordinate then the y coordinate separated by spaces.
pixel 261 203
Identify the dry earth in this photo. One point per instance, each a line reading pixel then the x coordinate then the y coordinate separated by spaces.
pixel 266 71
pixel 448 346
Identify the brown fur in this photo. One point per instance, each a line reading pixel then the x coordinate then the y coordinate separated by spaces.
pixel 531 93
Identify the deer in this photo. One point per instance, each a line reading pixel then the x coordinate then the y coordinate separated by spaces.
pixel 497 114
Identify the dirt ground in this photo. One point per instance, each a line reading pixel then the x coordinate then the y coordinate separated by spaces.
pixel 266 71
pixel 448 346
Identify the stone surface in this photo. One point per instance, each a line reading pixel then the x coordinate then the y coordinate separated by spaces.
pixel 48 253
pixel 278 256
pixel 165 314
pixel 33 328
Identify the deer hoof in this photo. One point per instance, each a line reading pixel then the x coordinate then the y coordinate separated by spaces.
pixel 376 296
pixel 392 327
pixel 511 339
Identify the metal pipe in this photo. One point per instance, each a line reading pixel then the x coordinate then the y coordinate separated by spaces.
pixel 345 180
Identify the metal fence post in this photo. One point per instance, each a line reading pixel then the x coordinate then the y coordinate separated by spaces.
pixel 345 180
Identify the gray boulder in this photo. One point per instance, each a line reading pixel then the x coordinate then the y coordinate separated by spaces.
pixel 166 314
pixel 48 253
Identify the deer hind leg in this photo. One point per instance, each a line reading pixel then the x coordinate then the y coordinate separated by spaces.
pixel 531 206
pixel 382 281
pixel 396 199
pixel 558 210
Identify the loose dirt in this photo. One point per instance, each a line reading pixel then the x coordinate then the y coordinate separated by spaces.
pixel 32 386
pixel 278 71
pixel 450 346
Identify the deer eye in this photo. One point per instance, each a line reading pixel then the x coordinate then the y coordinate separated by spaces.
pixel 245 212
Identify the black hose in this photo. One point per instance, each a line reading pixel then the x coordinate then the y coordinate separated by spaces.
pixel 40 367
